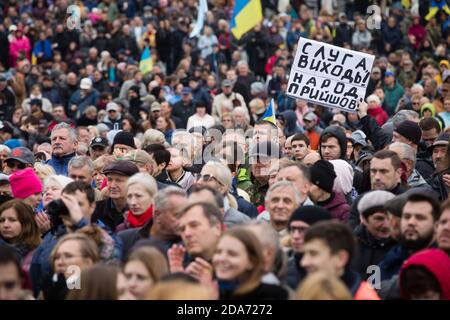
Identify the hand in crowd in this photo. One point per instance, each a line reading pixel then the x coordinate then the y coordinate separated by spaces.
pixel 176 256
pixel 43 222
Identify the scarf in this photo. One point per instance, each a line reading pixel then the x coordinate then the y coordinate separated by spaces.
pixel 138 221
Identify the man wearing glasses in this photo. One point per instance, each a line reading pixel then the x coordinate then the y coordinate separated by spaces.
pixel 300 221
pixel 114 116
pixel 19 159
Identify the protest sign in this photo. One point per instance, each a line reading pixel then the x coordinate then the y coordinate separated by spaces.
pixel 328 75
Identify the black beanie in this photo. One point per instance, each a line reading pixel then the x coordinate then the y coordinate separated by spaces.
pixel 410 130
pixel 125 138
pixel 323 175
pixel 310 214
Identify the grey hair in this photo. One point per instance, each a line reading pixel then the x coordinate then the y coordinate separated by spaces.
pixel 63 181
pixel 284 184
pixel 81 161
pixel 417 86
pixel 269 237
pixel 403 115
pixel 64 125
pixel 409 153
pixel 145 180
pixel 162 198
pixel 222 172
pixel 243 110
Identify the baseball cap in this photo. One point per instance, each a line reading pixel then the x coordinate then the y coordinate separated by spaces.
pixel 441 140
pixel 227 83
pixel 156 106
pixel 359 137
pixel 86 83
pixel 121 167
pixel 21 154
pixel 310 116
pixel 186 90
pixel 99 142
pixel 389 74
pixel 112 106
pixel 139 156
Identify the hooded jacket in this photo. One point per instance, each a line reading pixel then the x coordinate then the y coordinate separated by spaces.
pixel 338 206
pixel 291 127
pixel 437 263
pixel 339 134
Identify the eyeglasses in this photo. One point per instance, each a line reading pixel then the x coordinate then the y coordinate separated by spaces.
pixel 14 164
pixel 9 285
pixel 206 178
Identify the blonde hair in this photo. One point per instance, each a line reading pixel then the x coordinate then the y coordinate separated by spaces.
pixel 322 286
pixel 88 247
pixel 178 290
pixel 43 170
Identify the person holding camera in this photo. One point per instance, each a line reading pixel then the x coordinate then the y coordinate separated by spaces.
pixel 68 214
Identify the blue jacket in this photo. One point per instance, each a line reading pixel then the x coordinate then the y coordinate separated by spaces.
pixel 392 262
pixel 61 165
pixel 44 47
pixel 82 103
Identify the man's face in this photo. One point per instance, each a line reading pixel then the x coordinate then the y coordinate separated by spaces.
pixel 81 174
pixel 377 225
pixel 383 175
pixel 294 175
pixel 317 256
pixel 299 149
pixel 199 236
pixel 261 167
pixel 58 113
pixel 389 80
pixel 97 151
pixel 86 207
pixel 117 185
pixel 264 132
pixel 167 221
pixel 443 231
pixel 330 149
pixel 113 114
pixel 417 225
pixel 438 157
pixel 429 136
pixel 84 136
pixel 309 125
pixel 280 204
pixel 397 137
pixel 297 231
pixel 10 284
pixel 62 143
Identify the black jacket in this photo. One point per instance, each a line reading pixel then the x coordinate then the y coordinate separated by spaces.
pixel 183 111
pixel 374 133
pixel 295 273
pixel 371 251
pixel 339 134
pixel 106 212
pixel 353 219
pixel 261 292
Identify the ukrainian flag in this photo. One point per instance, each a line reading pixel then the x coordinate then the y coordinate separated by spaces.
pixel 246 14
pixel 269 115
pixel 146 63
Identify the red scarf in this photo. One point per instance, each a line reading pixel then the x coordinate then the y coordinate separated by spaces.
pixel 135 221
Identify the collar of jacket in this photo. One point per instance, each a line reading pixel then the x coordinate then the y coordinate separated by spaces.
pixel 365 237
pixel 67 157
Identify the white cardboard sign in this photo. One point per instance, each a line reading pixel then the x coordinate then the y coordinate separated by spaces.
pixel 328 75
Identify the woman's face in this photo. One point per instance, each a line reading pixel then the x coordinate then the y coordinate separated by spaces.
pixel 126 125
pixel 230 260
pixel 227 122
pixel 33 200
pixel 69 254
pixel 52 192
pixel 138 278
pixel 122 288
pixel 161 124
pixel 10 227
pixel 138 199
pixel 98 178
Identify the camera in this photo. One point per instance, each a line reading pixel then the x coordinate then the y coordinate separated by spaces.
pixel 57 208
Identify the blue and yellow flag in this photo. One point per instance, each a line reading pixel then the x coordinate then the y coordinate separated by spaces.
pixel 146 63
pixel 246 14
pixel 269 115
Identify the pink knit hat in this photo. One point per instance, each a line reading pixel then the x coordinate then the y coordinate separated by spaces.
pixel 25 183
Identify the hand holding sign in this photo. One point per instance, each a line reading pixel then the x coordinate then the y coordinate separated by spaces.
pixel 331 76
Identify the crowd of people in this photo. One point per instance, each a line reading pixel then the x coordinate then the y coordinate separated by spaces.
pixel 171 184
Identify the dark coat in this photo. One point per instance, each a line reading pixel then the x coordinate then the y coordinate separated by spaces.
pixel 183 112
pixel 338 206
pixel 371 250
pixel 106 212
pixel 392 262
pixel 261 292
pixel 339 134
pixel 295 273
